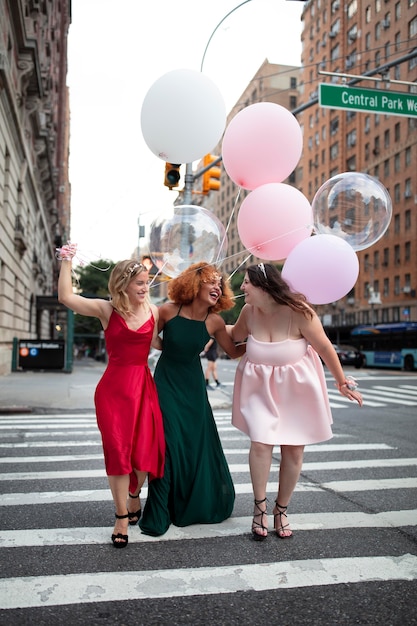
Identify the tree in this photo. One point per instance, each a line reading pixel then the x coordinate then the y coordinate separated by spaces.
pixel 91 282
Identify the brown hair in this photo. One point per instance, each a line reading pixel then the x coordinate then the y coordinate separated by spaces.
pixel 120 277
pixel 184 288
pixel 268 278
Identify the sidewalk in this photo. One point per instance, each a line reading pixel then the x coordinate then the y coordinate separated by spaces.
pixel 42 391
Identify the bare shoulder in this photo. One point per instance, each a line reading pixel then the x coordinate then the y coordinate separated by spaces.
pixel 214 323
pixel 167 311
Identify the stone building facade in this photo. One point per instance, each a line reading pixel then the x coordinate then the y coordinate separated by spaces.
pixel 34 184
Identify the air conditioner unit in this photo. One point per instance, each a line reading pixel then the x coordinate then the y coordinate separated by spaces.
pixel 385 24
pixel 332 35
pixel 407 289
pixel 352 36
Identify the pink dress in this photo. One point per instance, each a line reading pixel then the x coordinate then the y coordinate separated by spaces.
pixel 280 394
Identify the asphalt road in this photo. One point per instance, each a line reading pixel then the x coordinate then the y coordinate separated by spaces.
pixel 352 559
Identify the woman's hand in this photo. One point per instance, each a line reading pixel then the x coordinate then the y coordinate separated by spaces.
pixel 349 389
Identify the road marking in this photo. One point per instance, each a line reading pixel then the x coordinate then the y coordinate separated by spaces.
pixel 33 591
pixel 104 495
pixel 234 526
pixel 98 457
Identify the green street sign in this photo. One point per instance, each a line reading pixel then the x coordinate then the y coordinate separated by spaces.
pixel 370 100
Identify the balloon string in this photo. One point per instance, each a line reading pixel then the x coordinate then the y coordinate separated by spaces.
pixel 228 224
pixel 157 274
pixel 240 265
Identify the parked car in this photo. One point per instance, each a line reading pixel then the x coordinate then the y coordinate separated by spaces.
pixel 348 355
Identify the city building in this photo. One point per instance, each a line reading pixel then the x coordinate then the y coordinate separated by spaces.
pixel 342 41
pixel 271 83
pixel 34 185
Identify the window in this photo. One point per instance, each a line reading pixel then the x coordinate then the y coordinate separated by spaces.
pixel 397 224
pixel 293 82
pixel 386 139
pixel 407 251
pixel 367 124
pixel 351 164
pixel 386 287
pixel 407 219
pixel 334 126
pixel 386 168
pixel 407 191
pixel 385 262
pixel 397 162
pixel 412 29
pixel 334 151
pixel 351 138
pixel 397 132
pixel 397 255
pixel 397 192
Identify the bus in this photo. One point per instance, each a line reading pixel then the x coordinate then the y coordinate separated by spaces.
pixel 393 346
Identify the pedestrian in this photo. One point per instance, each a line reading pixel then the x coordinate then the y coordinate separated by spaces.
pixel 127 408
pixel 197 487
pixel 211 354
pixel 280 393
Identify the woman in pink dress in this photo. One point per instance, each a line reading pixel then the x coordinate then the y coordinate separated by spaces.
pixel 280 394
pixel 127 408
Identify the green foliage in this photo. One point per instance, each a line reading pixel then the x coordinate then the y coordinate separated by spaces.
pixel 93 279
pixel 91 282
pixel 231 316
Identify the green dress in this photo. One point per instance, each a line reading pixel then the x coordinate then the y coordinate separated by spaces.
pixel 196 487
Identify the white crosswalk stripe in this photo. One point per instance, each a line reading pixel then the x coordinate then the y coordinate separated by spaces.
pixel 41 452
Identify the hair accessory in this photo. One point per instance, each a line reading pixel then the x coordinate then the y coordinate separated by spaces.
pixel 263 270
pixel 130 270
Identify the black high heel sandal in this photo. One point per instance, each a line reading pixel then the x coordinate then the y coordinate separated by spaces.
pixel 119 540
pixel 282 512
pixel 256 536
pixel 132 521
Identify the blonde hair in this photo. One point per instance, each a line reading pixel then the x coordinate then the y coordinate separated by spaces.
pixel 122 274
pixel 184 288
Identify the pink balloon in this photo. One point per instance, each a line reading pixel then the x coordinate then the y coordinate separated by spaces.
pixel 262 144
pixel 273 219
pixel 324 268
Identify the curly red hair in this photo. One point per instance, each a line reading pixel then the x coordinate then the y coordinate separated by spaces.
pixel 184 288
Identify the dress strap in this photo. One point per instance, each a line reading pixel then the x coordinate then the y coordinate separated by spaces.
pixel 179 310
pixel 289 325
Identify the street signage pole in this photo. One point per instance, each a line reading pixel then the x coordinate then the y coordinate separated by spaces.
pixel 369 100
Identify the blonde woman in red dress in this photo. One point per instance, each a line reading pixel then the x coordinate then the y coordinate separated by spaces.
pixel 127 408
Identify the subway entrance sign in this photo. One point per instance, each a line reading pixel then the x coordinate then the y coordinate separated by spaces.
pixel 369 100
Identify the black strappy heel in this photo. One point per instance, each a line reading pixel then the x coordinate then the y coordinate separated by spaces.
pixel 282 512
pixel 138 513
pixel 256 536
pixel 119 540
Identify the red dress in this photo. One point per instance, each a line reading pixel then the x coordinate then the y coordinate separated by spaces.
pixel 127 407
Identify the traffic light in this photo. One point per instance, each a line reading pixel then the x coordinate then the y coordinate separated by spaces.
pixel 172 175
pixel 211 178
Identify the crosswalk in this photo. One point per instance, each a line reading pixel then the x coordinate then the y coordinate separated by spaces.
pixel 375 396
pixel 51 474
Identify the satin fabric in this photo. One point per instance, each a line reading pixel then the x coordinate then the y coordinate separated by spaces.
pixel 197 487
pixel 127 407
pixel 280 394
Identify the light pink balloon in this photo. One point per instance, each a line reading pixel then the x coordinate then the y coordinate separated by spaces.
pixel 324 268
pixel 273 219
pixel 262 144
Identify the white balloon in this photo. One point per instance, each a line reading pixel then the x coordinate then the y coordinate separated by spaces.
pixel 183 116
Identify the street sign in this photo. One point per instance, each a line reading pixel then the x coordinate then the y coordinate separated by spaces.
pixel 370 100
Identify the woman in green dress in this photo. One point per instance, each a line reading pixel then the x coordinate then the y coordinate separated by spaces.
pixel 196 487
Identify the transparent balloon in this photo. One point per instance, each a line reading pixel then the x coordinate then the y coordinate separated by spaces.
pixel 353 206
pixel 186 235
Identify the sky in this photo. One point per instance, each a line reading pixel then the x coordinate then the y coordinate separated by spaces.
pixel 116 51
